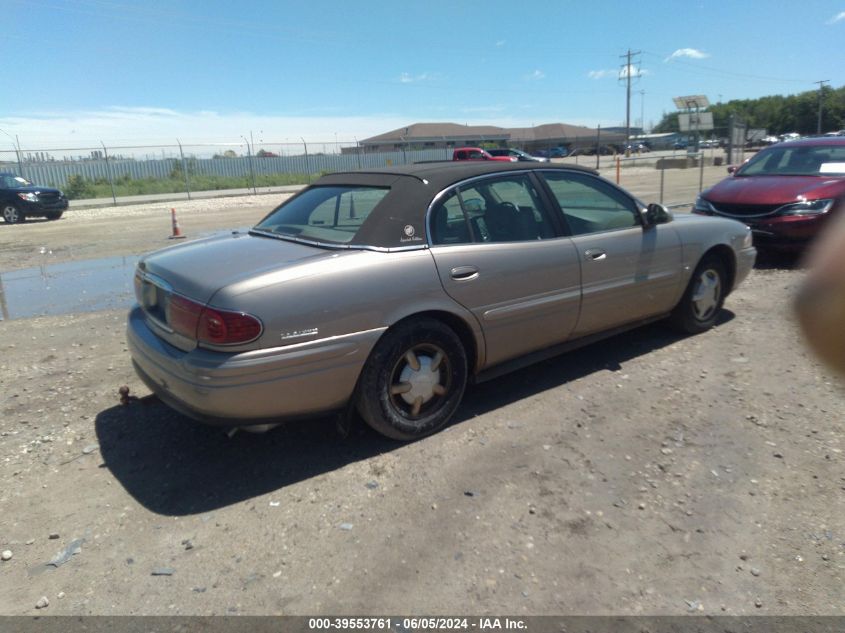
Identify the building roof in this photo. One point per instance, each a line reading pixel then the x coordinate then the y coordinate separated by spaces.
pixel 550 131
pixel 437 132
pixel 427 132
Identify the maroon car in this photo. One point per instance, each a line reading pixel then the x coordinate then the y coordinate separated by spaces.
pixel 786 193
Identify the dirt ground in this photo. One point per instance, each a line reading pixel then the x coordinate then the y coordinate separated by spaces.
pixel 650 473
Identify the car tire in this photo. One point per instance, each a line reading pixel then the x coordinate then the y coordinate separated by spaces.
pixel 54 215
pixel 414 380
pixel 11 214
pixel 702 302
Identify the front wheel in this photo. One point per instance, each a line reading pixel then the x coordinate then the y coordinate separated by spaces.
pixel 11 214
pixel 703 299
pixel 414 380
pixel 54 215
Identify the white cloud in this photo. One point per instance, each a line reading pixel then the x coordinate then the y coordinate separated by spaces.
pixel 408 78
pixel 534 76
pixel 837 18
pixel 692 53
pixel 601 74
pixel 634 71
pixel 500 43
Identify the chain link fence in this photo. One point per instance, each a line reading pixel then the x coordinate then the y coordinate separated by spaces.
pixel 128 170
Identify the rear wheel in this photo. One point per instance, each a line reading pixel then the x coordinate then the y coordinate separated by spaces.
pixel 703 299
pixel 414 380
pixel 11 214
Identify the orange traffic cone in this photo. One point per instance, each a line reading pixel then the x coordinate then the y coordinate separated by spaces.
pixel 177 233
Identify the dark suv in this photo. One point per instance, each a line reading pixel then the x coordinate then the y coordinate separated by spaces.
pixel 20 199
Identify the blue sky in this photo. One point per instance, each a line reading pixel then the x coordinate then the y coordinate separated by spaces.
pixel 122 71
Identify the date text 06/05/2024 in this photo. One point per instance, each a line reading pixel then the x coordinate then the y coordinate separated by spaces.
pixel 417 624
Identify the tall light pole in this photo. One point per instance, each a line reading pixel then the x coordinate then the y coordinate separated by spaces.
pixel 17 145
pixel 821 93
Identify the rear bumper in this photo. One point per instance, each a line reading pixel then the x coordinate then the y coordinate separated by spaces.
pixel 246 388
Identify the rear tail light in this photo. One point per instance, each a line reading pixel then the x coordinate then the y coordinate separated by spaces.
pixel 210 325
pixel 226 328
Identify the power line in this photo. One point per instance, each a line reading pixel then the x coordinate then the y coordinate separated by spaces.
pixel 727 73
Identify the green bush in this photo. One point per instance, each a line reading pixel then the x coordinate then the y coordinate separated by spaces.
pixel 77 187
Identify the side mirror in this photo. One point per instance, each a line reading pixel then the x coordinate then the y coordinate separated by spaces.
pixel 731 169
pixel 657 214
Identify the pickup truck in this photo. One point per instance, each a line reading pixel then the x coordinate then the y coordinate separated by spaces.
pixel 476 153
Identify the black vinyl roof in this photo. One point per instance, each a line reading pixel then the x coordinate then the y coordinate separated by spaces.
pixel 412 188
pixel 441 174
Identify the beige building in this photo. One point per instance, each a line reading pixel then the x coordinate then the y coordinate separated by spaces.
pixel 419 136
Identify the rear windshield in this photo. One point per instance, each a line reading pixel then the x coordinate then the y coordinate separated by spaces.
pixel 330 214
pixel 796 160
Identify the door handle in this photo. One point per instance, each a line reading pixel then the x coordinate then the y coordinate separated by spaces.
pixel 595 254
pixel 464 273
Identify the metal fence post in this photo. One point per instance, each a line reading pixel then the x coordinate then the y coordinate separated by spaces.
pixel 598 145
pixel 184 170
pixel 307 168
pixel 18 152
pixel 249 157
pixel 108 172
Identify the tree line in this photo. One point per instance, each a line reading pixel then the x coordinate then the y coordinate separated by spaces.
pixel 777 114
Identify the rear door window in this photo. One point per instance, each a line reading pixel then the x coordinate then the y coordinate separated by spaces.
pixel 591 205
pixel 501 209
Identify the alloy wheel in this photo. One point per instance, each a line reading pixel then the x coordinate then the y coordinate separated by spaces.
pixel 707 294
pixel 420 381
pixel 11 214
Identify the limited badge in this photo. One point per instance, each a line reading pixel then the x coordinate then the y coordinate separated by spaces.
pixel 409 230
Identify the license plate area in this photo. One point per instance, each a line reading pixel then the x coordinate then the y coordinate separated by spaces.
pixel 153 295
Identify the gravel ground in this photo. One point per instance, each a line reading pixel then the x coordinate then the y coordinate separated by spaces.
pixel 650 473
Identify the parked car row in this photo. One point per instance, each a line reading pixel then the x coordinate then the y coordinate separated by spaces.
pixel 554 152
pixel 519 155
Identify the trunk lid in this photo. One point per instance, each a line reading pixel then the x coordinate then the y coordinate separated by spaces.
pixel 200 269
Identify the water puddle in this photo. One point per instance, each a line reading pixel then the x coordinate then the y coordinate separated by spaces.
pixel 67 288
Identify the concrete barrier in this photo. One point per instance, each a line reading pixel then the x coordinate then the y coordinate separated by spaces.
pixel 687 162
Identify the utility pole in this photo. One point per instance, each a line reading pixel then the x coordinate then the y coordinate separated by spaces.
pixel 821 93
pixel 627 72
